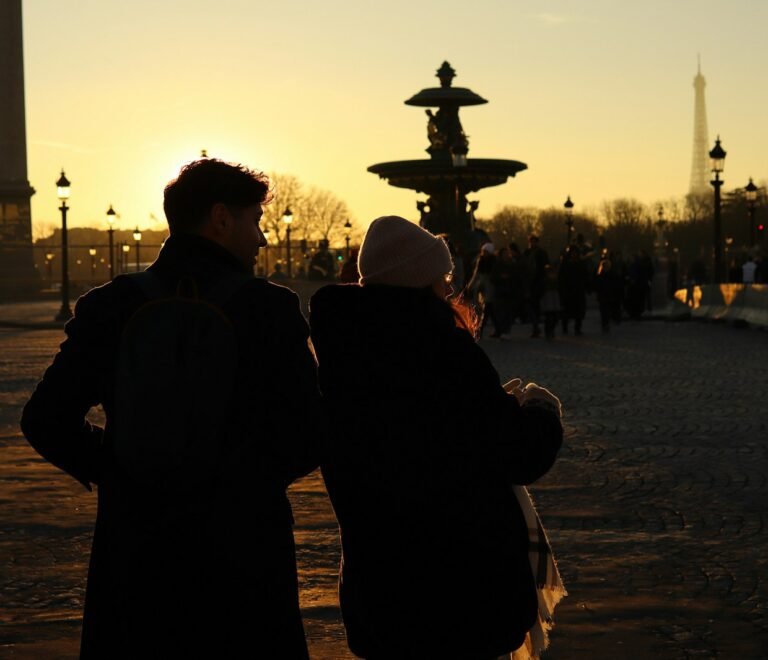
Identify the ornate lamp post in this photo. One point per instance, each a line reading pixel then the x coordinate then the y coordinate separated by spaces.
pixel 92 253
pixel 126 248
pixel 718 162
pixel 111 231
pixel 265 231
pixel 62 190
pixel 137 238
pixel 347 226
pixel 568 219
pixel 750 192
pixel 288 219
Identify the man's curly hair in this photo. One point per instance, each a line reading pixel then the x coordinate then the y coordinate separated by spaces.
pixel 188 199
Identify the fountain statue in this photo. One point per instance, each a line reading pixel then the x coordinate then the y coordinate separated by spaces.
pixel 447 176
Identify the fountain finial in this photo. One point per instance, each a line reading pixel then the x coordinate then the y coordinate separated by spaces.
pixel 446 74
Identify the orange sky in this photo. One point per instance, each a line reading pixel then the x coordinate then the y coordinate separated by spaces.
pixel 595 96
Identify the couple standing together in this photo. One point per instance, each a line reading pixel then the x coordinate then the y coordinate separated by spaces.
pixel 423 451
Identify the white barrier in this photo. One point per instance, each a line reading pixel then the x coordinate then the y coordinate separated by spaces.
pixel 740 303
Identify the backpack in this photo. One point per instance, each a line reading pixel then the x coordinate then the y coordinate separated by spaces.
pixel 175 384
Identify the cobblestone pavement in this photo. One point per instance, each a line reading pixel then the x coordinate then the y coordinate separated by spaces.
pixel 656 508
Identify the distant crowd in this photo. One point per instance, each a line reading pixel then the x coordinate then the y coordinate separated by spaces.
pixel 506 285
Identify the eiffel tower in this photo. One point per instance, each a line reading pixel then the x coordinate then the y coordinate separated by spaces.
pixel 700 163
pixel 17 274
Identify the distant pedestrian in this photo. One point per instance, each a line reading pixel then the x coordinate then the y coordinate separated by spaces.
pixel 535 259
pixel 572 280
pixel 349 273
pixel 421 469
pixel 508 290
pixel 277 274
pixel 608 286
pixel 482 290
pixel 748 271
pixel 551 308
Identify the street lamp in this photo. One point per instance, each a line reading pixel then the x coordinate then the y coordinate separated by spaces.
pixel 126 249
pixel 111 231
pixel 568 219
pixel 750 192
pixel 347 226
pixel 62 190
pixel 92 253
pixel 288 219
pixel 137 238
pixel 718 162
pixel 265 231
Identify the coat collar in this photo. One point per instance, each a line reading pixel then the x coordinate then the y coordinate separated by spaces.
pixel 189 252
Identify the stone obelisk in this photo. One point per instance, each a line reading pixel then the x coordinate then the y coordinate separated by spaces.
pixel 17 273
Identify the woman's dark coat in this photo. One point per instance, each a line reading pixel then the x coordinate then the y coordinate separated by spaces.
pixel 423 450
pixel 212 574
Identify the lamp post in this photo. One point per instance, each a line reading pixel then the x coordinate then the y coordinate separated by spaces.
pixel 266 252
pixel 92 253
pixel 288 219
pixel 62 190
pixel 111 231
pixel 717 155
pixel 347 226
pixel 137 238
pixel 568 219
pixel 126 248
pixel 750 192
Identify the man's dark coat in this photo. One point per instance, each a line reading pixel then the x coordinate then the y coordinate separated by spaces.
pixel 423 451
pixel 212 574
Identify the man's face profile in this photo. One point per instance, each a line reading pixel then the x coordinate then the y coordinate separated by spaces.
pixel 246 237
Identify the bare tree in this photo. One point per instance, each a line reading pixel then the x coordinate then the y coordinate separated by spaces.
pixel 512 224
pixel 287 192
pixel 698 206
pixel 326 215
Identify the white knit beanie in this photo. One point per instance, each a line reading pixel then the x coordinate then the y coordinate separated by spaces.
pixel 398 252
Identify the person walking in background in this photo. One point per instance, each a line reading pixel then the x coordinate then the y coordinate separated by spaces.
pixel 608 286
pixel 572 280
pixel 210 394
pixel 535 259
pixel 421 472
pixel 482 291
pixel 550 305
pixel 349 273
pixel 748 271
pixel 507 286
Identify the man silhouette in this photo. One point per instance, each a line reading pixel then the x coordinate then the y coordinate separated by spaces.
pixel 208 569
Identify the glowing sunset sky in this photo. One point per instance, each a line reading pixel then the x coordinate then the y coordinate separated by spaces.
pixel 596 96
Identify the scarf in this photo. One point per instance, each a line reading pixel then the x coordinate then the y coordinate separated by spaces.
pixel 549 586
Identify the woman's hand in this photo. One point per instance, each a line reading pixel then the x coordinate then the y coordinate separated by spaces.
pixel 534 395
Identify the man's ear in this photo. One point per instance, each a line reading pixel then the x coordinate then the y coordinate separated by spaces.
pixel 220 220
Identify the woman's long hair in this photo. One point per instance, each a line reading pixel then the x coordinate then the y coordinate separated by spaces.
pixel 464 314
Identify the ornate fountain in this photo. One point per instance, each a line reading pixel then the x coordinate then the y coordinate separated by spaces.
pixel 447 176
